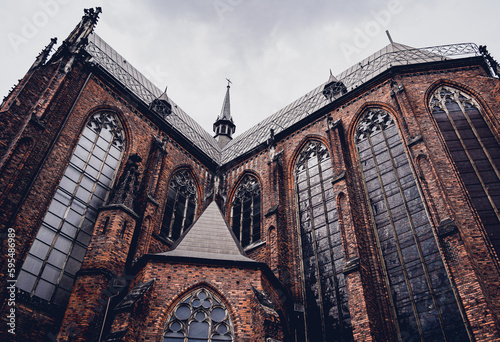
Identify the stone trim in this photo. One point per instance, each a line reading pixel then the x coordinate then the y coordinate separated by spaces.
pixel 351 265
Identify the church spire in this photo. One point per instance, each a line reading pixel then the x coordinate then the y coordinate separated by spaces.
pixel 224 126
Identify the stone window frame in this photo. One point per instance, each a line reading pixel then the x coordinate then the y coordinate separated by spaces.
pixel 416 276
pixel 464 128
pixel 182 185
pixel 318 227
pixel 48 272
pixel 197 311
pixel 247 188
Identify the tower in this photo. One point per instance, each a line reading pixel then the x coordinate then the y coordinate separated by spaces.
pixel 224 126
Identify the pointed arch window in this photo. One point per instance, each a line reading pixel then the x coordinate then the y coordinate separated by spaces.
pixel 327 312
pixel 245 216
pixel 199 317
pixel 474 150
pixel 181 205
pixel 424 304
pixel 60 245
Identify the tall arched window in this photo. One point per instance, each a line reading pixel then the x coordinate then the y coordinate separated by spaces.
pixel 199 317
pixel 474 150
pixel 246 211
pixel 327 312
pixel 181 205
pixel 61 242
pixel 423 300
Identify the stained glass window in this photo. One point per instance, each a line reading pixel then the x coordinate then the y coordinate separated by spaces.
pixel 327 312
pixel 199 317
pixel 421 292
pixel 474 150
pixel 61 242
pixel 246 211
pixel 181 205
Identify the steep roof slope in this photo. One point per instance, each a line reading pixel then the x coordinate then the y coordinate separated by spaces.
pixel 391 55
pixel 209 238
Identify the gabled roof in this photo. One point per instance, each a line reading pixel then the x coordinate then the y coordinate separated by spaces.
pixel 394 54
pixel 210 237
pixel 111 61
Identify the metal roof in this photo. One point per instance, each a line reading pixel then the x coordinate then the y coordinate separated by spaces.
pixel 106 57
pixel 392 55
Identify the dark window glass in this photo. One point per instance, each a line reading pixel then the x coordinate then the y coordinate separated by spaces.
pixel 199 316
pixel 246 211
pixel 181 205
pixel 326 299
pixel 416 273
pixel 70 212
pixel 474 150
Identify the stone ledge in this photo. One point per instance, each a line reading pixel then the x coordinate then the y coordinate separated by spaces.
pixel 351 265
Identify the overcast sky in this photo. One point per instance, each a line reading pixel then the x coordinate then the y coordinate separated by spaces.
pixel 273 51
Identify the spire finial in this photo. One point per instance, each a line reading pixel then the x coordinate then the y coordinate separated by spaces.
pixel 389 36
pixel 229 82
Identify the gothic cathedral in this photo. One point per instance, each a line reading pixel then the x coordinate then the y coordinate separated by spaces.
pixel 366 210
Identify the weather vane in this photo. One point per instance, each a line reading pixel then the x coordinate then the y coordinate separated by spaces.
pixel 228 82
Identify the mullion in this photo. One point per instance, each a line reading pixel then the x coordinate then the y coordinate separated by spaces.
pixel 61 238
pixel 63 218
pixel 330 241
pixel 84 214
pixel 172 216
pixel 315 250
pixel 478 137
pixel 186 200
pixel 86 208
pixel 415 237
pixel 241 219
pixel 396 240
pixel 250 238
pixel 177 218
pixel 245 211
pixel 471 160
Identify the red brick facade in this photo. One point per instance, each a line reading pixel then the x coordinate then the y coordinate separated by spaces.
pixel 42 121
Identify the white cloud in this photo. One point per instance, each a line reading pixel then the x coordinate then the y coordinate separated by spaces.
pixel 273 51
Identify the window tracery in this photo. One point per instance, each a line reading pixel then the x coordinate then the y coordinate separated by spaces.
pixel 474 150
pixel 246 211
pixel 327 312
pixel 60 245
pixel 421 293
pixel 181 205
pixel 199 317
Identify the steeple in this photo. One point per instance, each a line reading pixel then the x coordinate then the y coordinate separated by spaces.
pixel 224 126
